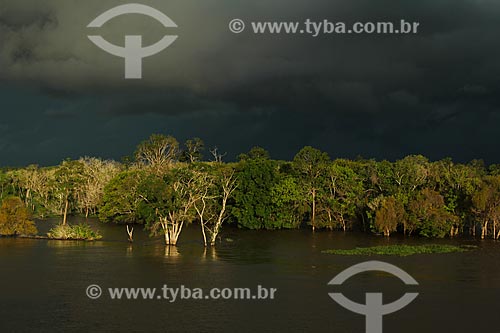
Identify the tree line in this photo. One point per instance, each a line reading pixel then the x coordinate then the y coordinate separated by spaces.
pixel 165 186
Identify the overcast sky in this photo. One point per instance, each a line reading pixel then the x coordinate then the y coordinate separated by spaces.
pixel 383 96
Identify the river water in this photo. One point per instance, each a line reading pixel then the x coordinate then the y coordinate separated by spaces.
pixel 43 283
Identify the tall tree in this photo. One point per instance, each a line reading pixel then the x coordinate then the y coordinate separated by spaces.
pixel 345 189
pixel 486 205
pixel 253 207
pixel 287 202
pixel 68 178
pixel 96 175
pixel 169 202
pixel 213 190
pixel 311 164
pixel 158 152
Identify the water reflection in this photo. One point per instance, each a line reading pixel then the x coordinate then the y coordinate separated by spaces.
pixel 210 253
pixel 71 244
pixel 130 250
pixel 172 252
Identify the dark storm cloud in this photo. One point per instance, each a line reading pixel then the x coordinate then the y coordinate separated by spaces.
pixel 434 93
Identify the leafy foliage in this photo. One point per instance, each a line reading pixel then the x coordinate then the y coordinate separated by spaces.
pixel 162 184
pixel 253 204
pixel 74 232
pixel 121 198
pixel 15 218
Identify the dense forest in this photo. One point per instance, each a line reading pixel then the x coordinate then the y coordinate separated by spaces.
pixel 165 186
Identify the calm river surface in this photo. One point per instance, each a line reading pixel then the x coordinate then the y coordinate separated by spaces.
pixel 43 283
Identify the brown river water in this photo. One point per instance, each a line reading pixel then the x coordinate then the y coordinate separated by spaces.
pixel 43 283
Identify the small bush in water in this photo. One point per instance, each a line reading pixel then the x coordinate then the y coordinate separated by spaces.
pixel 77 232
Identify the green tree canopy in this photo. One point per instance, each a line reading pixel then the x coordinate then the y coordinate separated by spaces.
pixel 15 218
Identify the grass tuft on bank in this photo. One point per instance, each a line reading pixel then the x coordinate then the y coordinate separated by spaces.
pixel 401 250
pixel 74 232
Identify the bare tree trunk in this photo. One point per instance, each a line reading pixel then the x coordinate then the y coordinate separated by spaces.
pixel 201 214
pixel 213 237
pixel 203 233
pixel 167 238
pixel 363 219
pixel 228 188
pixel 171 230
pixel 164 226
pixel 218 225
pixel 484 230
pixel 330 220
pixel 130 233
pixel 26 201
pixel 344 226
pixel 313 217
pixel 65 216
pixel 176 233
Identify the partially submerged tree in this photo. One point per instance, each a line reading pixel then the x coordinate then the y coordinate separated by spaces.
pixel 130 233
pixel 213 193
pixel 168 203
